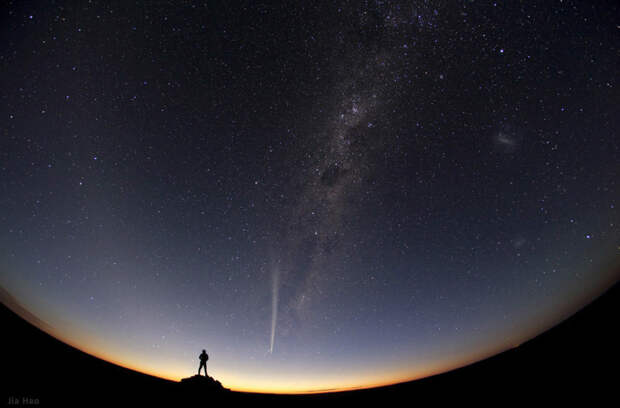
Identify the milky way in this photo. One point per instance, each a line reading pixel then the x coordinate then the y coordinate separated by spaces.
pixel 335 166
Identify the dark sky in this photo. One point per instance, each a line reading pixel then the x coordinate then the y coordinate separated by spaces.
pixel 323 195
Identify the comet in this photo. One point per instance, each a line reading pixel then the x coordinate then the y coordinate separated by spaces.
pixel 275 286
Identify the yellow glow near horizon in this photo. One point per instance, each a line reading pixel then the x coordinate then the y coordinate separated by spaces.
pixel 282 384
pixel 249 381
pixel 309 385
pixel 254 380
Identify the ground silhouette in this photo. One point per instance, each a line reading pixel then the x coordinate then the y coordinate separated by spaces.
pixel 201 382
pixel 567 363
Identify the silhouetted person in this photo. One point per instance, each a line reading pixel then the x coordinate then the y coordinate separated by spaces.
pixel 203 362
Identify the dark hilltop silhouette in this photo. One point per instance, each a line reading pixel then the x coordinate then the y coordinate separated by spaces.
pixel 206 383
pixel 197 385
pixel 576 360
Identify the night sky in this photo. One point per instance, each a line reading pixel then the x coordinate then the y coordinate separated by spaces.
pixel 323 195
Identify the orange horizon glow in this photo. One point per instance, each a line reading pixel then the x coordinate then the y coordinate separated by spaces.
pixel 244 386
pixel 351 385
pixel 237 386
pixel 228 379
pixel 380 378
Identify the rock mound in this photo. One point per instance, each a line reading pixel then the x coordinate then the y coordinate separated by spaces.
pixel 202 384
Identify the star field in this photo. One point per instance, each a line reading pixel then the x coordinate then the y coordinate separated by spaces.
pixel 326 195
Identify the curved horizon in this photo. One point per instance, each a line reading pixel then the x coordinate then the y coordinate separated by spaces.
pixel 352 384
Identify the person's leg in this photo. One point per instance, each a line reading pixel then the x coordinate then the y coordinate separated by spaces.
pixel 199 367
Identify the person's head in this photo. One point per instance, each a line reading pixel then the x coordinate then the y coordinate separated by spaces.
pixel 204 351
